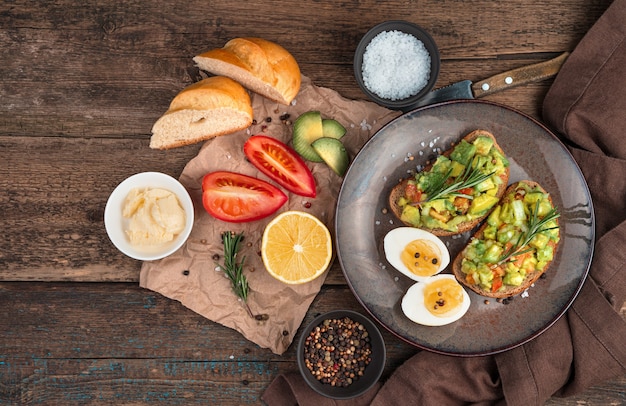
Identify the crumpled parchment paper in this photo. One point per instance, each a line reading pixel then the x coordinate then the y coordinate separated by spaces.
pixel 204 288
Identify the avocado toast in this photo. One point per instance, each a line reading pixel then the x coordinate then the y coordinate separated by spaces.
pixel 456 192
pixel 514 247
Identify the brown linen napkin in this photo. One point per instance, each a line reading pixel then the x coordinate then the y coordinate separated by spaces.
pixel 587 106
pixel 189 275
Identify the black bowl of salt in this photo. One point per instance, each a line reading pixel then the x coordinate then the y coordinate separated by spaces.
pixel 396 64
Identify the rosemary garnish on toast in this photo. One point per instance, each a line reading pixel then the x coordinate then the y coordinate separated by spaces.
pixel 446 185
pixel 535 226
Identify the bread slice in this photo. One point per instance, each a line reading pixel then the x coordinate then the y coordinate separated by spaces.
pixel 398 191
pixel 209 108
pixel 531 277
pixel 259 65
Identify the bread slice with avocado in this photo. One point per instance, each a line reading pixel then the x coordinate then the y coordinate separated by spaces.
pixel 514 247
pixel 457 191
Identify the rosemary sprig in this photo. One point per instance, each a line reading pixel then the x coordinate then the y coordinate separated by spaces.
pixel 234 269
pixel 535 226
pixel 470 177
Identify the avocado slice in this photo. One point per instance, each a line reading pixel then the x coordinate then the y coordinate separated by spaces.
pixel 306 129
pixel 481 204
pixel 333 152
pixel 332 128
pixel 483 145
pixel 463 152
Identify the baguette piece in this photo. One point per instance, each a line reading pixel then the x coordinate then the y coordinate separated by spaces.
pixel 483 265
pixel 459 216
pixel 259 65
pixel 209 108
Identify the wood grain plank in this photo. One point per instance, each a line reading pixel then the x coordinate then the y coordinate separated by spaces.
pixel 94 343
pixel 109 70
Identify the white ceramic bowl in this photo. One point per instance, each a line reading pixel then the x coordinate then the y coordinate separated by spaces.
pixel 115 223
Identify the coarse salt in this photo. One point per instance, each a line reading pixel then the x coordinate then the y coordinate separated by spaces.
pixel 396 65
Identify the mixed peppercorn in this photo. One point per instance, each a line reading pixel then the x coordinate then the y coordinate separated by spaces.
pixel 338 351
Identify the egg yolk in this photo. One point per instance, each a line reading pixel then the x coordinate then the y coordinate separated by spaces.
pixel 422 257
pixel 443 296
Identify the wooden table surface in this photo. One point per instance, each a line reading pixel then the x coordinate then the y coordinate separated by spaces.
pixel 81 84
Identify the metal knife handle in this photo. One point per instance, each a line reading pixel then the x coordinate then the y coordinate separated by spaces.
pixel 519 76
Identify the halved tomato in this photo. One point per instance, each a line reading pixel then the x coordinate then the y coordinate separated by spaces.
pixel 281 163
pixel 236 198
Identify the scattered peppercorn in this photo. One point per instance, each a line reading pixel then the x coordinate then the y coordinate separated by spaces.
pixel 337 351
pixel 284 117
pixel 268 120
pixel 186 272
pixel 216 257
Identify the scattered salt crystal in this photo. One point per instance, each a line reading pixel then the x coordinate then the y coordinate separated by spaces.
pixel 365 126
pixel 377 222
pixel 396 65
pixel 390 221
pixel 396 279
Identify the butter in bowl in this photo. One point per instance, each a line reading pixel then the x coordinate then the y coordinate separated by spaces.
pixel 396 63
pixel 149 216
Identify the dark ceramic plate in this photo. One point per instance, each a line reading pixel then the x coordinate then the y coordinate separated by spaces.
pixel 410 140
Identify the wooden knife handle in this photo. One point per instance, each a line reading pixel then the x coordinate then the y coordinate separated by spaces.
pixel 519 76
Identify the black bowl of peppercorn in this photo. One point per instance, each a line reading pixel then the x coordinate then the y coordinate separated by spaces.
pixel 341 354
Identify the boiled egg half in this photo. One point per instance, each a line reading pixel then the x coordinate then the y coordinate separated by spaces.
pixel 438 301
pixel 416 253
